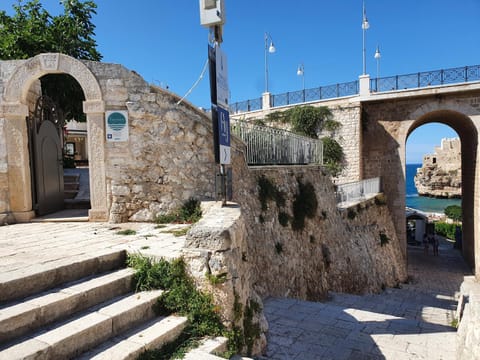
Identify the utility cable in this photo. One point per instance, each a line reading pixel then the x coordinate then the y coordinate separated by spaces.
pixel 196 83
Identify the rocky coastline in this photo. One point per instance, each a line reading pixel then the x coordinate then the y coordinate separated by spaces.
pixel 441 175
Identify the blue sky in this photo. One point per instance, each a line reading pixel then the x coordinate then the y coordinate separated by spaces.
pixel 164 42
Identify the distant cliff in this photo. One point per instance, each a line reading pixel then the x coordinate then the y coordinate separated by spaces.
pixel 441 173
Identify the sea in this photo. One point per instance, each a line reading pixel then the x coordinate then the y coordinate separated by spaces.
pixel 423 203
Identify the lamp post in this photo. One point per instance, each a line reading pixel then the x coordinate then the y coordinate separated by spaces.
pixel 365 26
pixel 301 72
pixel 268 49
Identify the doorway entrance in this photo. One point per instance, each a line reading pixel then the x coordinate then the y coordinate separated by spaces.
pixel 45 128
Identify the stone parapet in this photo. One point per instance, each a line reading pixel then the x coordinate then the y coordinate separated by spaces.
pixel 216 252
pixel 468 335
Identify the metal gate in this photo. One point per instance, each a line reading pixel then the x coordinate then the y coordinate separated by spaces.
pixel 46 154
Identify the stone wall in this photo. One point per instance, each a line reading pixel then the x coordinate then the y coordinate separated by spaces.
pixel 242 253
pixel 468 335
pixel 336 250
pixel 169 155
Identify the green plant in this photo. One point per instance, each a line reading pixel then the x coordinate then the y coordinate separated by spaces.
pixel 445 229
pixel 180 296
pixel 333 155
pixel 384 239
pixel 216 279
pixel 308 120
pixel 190 212
pixel 126 232
pixel 454 212
pixel 278 248
pixel 454 323
pixel 304 206
pixel 331 125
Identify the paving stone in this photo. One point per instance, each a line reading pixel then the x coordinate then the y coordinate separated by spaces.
pixel 411 322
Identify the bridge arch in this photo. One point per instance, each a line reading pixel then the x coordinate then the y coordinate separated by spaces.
pixel 468 133
pixel 14 108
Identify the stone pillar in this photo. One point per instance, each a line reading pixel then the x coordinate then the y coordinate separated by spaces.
pixel 266 101
pixel 95 111
pixel 364 82
pixel 18 161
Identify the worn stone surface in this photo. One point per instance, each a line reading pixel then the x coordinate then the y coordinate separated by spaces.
pixel 468 336
pixel 441 172
pixel 332 251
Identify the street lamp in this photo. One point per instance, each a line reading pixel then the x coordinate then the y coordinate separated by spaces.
pixel 268 49
pixel 301 72
pixel 365 26
pixel 377 57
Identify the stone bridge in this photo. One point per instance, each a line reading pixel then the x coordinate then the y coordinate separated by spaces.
pixel 375 129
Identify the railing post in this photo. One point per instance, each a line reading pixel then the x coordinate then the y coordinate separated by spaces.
pixel 441 77
pixel 266 101
pixel 364 83
pixel 466 73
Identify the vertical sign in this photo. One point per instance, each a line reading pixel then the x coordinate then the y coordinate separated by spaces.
pixel 222 78
pixel 224 135
pixel 116 125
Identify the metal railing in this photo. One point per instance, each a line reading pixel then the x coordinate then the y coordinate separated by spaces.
pixel 246 106
pixel 425 79
pixel 271 146
pixel 320 93
pixel 383 84
pixel 359 190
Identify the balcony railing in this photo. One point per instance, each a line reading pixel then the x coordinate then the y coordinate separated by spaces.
pixel 390 83
pixel 425 79
pixel 270 146
pixel 357 191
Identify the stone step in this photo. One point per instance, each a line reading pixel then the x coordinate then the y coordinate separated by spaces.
pixel 18 318
pixel 86 330
pixel 70 194
pixel 71 186
pixel 208 349
pixel 36 278
pixel 152 335
pixel 71 178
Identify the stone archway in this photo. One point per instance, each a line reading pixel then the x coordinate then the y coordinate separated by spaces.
pixel 14 110
pixel 466 130
pixel 385 129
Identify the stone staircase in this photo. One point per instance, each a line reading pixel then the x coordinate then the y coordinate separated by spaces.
pixel 84 309
pixel 71 185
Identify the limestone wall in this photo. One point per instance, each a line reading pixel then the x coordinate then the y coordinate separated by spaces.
pixel 336 250
pixel 468 335
pixel 169 154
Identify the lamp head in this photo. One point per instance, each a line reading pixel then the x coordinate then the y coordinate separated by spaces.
pixel 365 24
pixel 377 54
pixel 300 70
pixel 271 48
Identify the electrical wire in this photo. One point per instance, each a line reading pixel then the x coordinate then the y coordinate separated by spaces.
pixel 196 83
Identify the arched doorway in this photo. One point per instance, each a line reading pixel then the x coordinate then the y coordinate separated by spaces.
pixel 467 132
pixel 16 107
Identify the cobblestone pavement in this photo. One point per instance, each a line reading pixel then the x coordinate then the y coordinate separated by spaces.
pixel 411 322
